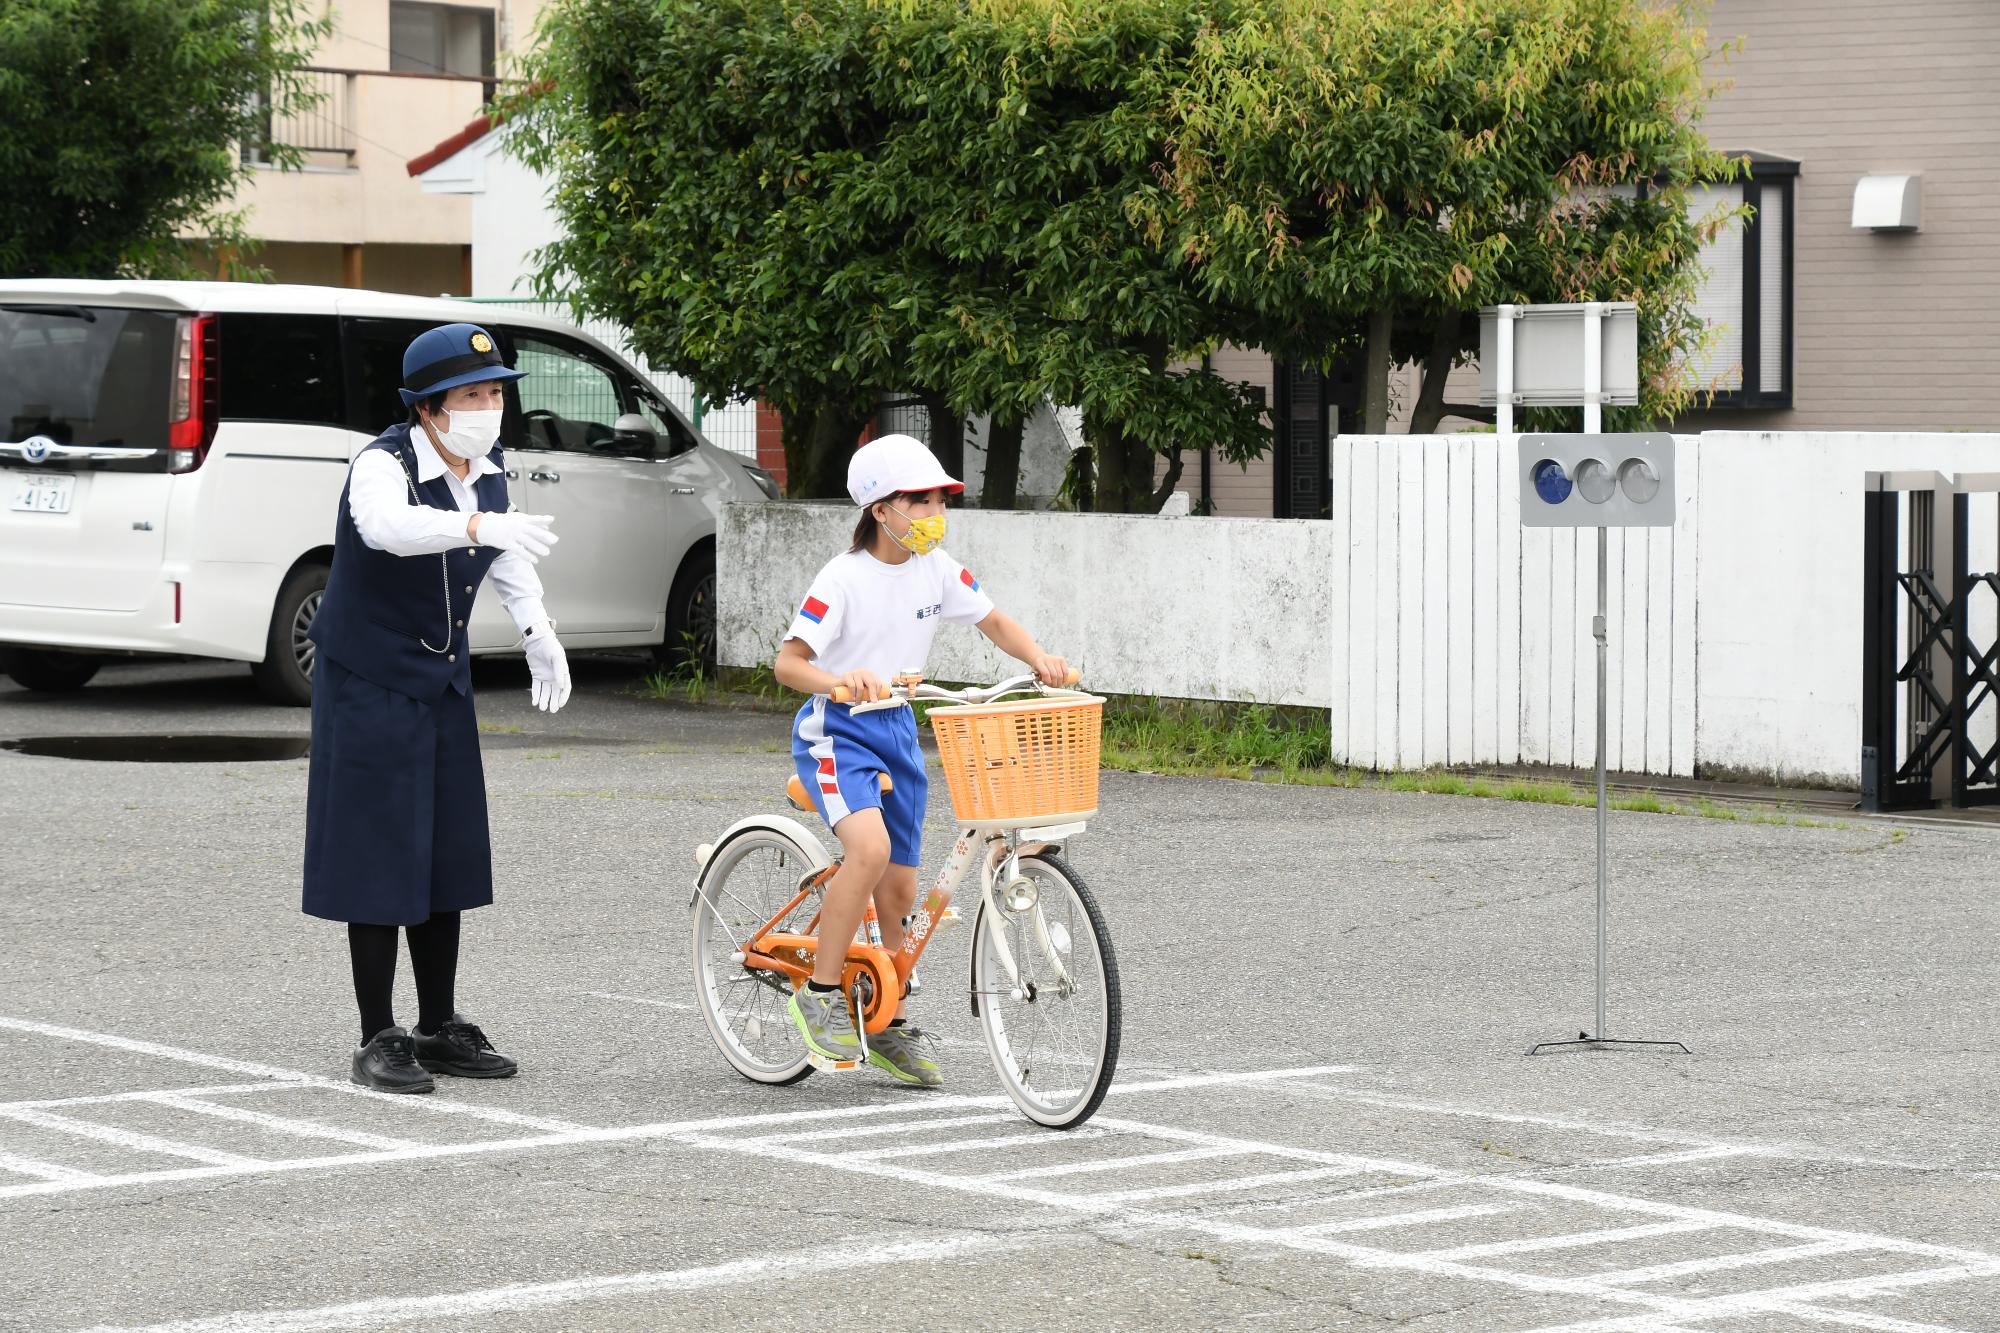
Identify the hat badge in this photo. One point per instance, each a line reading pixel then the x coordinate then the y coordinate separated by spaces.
pixel 481 343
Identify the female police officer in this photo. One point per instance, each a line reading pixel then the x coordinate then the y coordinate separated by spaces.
pixel 396 797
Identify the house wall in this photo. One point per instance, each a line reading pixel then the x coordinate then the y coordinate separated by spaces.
pixel 367 198
pixel 1893 332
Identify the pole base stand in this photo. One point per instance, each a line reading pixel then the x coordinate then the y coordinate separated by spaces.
pixel 1585 1042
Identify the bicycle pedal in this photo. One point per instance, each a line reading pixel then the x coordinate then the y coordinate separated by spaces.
pixel 818 1061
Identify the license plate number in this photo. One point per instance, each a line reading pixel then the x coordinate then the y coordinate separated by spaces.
pixel 41 493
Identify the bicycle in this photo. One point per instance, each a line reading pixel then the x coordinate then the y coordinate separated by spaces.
pixel 1021 762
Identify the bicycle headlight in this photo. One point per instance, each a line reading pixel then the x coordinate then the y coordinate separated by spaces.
pixel 1020 894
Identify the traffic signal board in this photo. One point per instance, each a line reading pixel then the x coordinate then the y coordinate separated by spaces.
pixel 1597 481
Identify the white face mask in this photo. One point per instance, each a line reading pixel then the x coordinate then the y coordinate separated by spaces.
pixel 472 433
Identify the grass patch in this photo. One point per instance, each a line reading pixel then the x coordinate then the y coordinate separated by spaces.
pixel 753 688
pixel 499 729
pixel 1293 747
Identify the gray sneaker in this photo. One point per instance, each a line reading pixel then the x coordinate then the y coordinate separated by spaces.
pixel 827 1026
pixel 904 1052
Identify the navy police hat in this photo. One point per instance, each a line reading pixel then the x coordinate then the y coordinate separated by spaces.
pixel 448 356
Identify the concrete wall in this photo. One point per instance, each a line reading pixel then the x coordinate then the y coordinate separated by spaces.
pixel 1433 627
pixel 1184 608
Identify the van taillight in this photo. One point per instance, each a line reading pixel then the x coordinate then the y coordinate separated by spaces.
pixel 191 419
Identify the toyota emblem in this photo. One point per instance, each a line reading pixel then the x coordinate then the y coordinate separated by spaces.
pixel 35 449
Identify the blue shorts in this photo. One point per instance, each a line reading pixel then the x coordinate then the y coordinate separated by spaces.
pixel 839 756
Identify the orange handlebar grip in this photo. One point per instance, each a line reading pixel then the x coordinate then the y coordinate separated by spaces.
pixel 1075 675
pixel 840 694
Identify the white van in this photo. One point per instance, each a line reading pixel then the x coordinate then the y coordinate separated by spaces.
pixel 172 456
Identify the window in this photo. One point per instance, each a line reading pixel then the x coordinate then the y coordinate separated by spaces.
pixel 569 400
pixel 86 375
pixel 440 39
pixel 673 437
pixel 375 370
pixel 282 368
pixel 1748 290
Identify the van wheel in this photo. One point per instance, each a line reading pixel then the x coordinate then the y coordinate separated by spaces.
pixel 285 674
pixel 690 641
pixel 52 673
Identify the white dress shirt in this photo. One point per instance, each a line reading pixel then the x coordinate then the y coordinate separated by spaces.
pixel 378 496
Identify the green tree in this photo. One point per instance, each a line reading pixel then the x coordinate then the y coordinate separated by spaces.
pixel 124 123
pixel 816 201
pixel 996 203
pixel 1359 177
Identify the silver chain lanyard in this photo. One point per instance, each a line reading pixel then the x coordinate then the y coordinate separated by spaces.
pixel 443 561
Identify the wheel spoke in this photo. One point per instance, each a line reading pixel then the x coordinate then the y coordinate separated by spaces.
pixel 1056 1051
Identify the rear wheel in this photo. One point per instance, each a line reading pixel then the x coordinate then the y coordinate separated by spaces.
pixel 1055 1045
pixel 285 675
pixel 747 881
pixel 51 672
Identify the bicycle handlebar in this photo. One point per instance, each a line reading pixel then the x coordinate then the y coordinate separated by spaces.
pixel 972 694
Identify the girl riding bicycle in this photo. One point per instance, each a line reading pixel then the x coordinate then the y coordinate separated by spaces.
pixel 870 614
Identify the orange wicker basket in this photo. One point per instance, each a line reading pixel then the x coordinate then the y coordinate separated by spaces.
pixel 1028 761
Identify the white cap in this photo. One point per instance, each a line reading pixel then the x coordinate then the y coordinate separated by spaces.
pixel 894 464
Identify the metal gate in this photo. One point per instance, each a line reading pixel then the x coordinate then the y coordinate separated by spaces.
pixel 1930 629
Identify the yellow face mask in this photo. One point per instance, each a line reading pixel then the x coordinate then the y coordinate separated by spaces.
pixel 925 534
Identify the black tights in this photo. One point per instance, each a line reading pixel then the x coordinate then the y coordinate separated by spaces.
pixel 433 958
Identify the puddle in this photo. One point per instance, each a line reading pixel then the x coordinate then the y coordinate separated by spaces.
pixel 162 749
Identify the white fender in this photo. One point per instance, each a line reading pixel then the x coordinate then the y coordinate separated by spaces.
pixel 779 824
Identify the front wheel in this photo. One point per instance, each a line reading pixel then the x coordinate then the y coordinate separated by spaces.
pixel 1053 1043
pixel 748 880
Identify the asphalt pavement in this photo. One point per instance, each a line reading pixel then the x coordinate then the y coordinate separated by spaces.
pixel 1324 1117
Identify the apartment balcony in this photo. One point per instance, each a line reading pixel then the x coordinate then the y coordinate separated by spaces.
pixel 353 199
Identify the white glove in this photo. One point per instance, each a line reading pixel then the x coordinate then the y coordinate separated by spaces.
pixel 548 664
pixel 527 534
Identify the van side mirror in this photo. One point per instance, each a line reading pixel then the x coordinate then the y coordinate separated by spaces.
pixel 631 434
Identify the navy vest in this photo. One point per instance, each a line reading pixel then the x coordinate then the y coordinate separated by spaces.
pixel 381 610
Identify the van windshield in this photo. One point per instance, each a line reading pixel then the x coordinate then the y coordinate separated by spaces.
pixel 85 375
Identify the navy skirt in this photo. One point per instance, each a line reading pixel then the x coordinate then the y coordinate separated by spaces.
pixel 395 804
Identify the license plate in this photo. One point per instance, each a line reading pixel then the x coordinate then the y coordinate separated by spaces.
pixel 41 493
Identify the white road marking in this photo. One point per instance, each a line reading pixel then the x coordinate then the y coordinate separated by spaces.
pixel 1710 1154
pixel 1113 1164
pixel 1654 1310
pixel 1234 1185
pixel 1040 1136
pixel 1528 1185
pixel 1390 1221
pixel 1659 1307
pixel 1617 1130
pixel 679 1005
pixel 126 1138
pixel 820 1133
pixel 106 1098
pixel 286 1077
pixel 385 1311
pixel 567 1136
pixel 1781 1254
pixel 309 1129
pixel 1820 1314
pixel 28 1166
pixel 1575 1240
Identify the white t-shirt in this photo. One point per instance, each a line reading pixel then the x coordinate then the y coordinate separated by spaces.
pixel 863 615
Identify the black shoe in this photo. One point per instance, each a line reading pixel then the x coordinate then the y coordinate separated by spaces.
pixel 460 1048
pixel 388 1063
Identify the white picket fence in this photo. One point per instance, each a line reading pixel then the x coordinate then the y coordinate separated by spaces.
pixel 1459 637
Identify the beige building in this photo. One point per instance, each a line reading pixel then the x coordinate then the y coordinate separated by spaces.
pixel 395 78
pixel 1824 321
